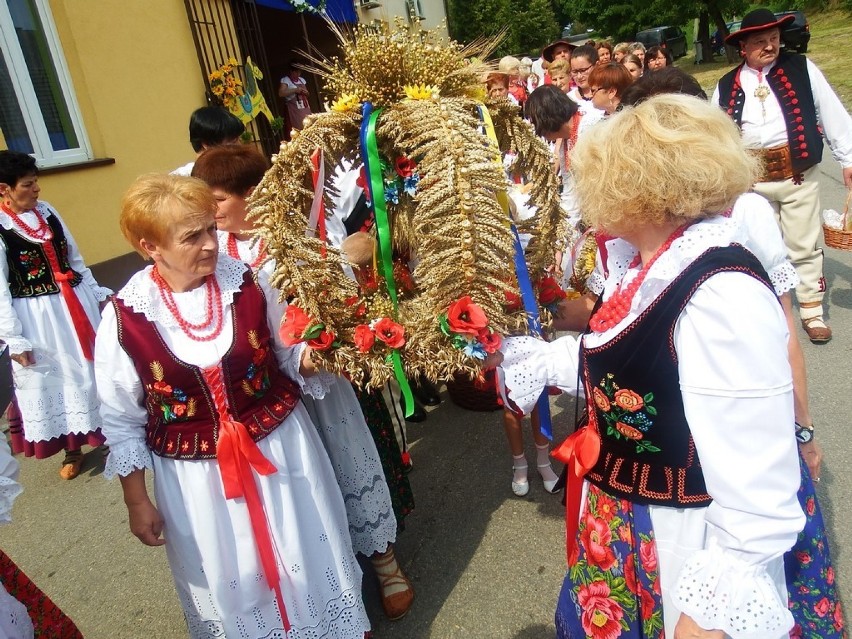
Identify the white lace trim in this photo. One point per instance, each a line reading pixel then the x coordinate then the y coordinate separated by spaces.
pixel 126 457
pixel 722 592
pixel 783 278
pixel 142 295
pixel 523 372
pixel 101 293
pixel 18 344
pixel 9 490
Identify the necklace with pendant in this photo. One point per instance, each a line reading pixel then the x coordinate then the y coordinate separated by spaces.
pixel 761 93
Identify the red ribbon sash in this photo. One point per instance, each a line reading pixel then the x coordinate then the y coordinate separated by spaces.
pixel 82 325
pixel 579 452
pixel 238 455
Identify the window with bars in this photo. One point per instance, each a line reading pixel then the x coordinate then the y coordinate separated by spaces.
pixel 38 111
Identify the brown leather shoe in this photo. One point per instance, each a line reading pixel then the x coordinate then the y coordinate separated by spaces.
pixel 71 466
pixel 396 604
pixel 818 331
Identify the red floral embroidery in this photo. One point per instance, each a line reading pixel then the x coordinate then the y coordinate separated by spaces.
pixel 601 615
pixel 596 539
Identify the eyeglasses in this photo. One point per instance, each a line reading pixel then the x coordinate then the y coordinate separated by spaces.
pixel 582 71
pixel 595 91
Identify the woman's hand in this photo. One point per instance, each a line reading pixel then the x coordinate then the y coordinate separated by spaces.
pixel 146 523
pixel 307 367
pixel 492 361
pixel 686 628
pixel 24 359
pixel 812 454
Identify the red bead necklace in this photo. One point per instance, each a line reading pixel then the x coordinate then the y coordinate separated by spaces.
pixel 234 252
pixel 214 316
pixel 42 232
pixel 616 308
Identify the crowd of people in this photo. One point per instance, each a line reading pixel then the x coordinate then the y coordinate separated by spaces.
pixel 271 476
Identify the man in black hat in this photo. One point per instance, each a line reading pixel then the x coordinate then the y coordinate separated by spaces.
pixel 783 104
pixel 558 50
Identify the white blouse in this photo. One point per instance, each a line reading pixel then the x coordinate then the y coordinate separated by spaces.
pixel 737 387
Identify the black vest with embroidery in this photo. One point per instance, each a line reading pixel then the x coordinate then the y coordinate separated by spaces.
pixel 790 82
pixel 634 396
pixel 30 274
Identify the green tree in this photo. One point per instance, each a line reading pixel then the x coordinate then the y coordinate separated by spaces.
pixel 534 25
pixel 529 24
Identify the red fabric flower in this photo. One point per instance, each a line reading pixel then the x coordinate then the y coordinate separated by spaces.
pixel 822 607
pixel 513 301
pixel 630 573
pixel 803 557
pixel 294 325
pixel 596 539
pixel 490 341
pixel 364 338
pixel 606 507
pixel 838 617
pixel 549 291
pixel 601 400
pixel 648 555
pixel 829 575
pixel 810 506
pixel 390 332
pixel 646 604
pixel 322 342
pixel 601 615
pixel 465 317
pixel 405 167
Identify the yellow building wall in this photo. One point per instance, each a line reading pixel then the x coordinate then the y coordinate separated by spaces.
pixel 137 79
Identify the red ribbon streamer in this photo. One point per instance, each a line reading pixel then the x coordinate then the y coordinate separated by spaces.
pixel 579 452
pixel 82 325
pixel 238 455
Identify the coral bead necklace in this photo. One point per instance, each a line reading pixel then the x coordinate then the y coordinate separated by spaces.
pixel 234 252
pixel 616 308
pixel 213 320
pixel 41 233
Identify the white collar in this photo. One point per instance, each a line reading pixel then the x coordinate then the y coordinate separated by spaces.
pixel 8 223
pixel 142 295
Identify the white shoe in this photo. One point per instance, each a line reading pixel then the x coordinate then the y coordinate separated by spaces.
pixel 520 488
pixel 548 483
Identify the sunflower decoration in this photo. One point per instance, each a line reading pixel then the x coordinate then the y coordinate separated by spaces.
pixel 407 106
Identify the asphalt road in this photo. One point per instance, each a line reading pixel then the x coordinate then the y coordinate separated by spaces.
pixel 484 563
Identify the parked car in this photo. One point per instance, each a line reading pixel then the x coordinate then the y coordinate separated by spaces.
pixel 797 34
pixel 671 38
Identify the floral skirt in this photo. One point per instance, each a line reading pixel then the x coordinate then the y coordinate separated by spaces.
pixel 612 588
pixel 811 585
pixel 48 620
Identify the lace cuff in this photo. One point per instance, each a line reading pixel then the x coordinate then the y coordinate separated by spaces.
pixel 783 277
pixel 18 345
pixel 316 385
pixel 722 592
pixel 9 489
pixel 524 374
pixel 101 292
pixel 126 457
pixel 595 283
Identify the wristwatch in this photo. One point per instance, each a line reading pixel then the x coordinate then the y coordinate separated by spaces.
pixel 804 435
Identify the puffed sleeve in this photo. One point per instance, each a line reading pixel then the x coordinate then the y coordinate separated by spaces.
pixel 11 330
pixel 289 357
pixel 731 343
pixel 122 399
pixel 530 364
pixel 75 259
pixel 765 241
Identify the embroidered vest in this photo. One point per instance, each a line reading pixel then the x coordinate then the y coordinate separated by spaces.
pixel 182 419
pixel 790 82
pixel 30 274
pixel 633 391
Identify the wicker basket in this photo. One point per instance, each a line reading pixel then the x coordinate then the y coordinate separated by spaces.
pixel 478 395
pixel 840 238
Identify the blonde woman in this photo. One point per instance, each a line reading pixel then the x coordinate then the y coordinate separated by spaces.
pixel 657 539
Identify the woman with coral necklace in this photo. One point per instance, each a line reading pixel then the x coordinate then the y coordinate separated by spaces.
pixel 232 172
pixel 663 537
pixel 196 385
pixel 48 317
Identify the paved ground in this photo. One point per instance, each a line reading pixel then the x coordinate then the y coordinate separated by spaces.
pixel 484 563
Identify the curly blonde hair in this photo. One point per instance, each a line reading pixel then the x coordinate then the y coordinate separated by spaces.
pixel 672 158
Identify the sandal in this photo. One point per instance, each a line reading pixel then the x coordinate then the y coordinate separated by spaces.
pixel 396 604
pixel 71 466
pixel 818 331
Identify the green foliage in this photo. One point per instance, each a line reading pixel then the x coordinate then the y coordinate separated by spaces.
pixel 529 24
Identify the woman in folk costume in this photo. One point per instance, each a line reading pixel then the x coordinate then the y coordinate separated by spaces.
pixel 196 385
pixel 48 317
pixel 232 172
pixel 663 537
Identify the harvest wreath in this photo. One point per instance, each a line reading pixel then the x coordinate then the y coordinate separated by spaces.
pixel 409 106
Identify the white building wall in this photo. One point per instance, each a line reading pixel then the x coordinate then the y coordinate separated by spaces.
pixel 432 13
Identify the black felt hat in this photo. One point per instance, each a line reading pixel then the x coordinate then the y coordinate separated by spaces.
pixel 547 52
pixel 756 21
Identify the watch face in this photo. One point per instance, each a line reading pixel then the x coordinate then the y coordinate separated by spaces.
pixel 804 435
